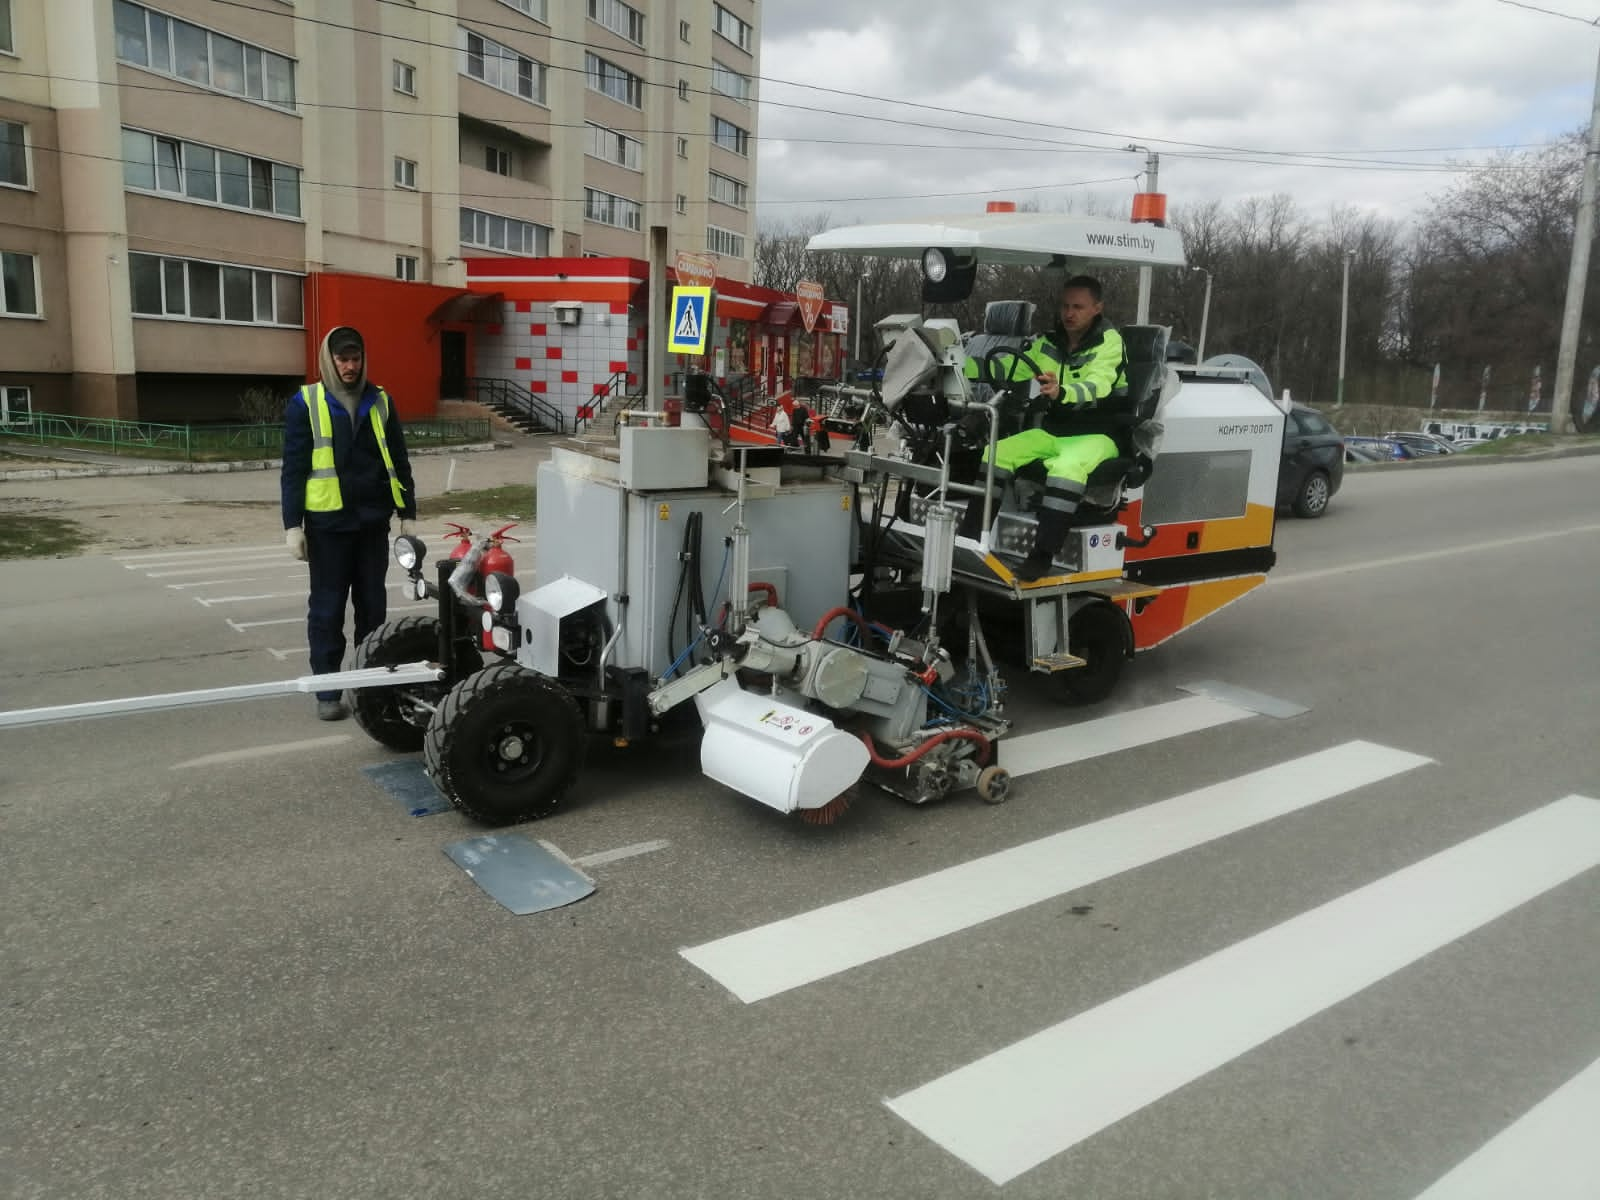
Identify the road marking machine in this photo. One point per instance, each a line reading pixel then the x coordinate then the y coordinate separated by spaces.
pixel 823 612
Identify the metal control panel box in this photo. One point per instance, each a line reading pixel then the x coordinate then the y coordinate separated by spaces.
pixel 659 457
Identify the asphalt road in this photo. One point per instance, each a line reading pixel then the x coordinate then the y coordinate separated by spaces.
pixel 1340 954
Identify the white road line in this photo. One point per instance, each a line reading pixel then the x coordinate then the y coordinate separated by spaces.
pixel 178 587
pixel 1548 1152
pixel 600 857
pixel 241 626
pixel 280 655
pixel 208 601
pixel 214 552
pixel 1405 560
pixel 240 564
pixel 1011 1110
pixel 787 954
pixel 231 756
pixel 1121 731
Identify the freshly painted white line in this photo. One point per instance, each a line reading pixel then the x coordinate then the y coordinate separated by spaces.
pixel 621 852
pixel 241 626
pixel 1121 731
pixel 214 552
pixel 178 587
pixel 1405 560
pixel 1549 1152
pixel 231 756
pixel 280 655
pixel 787 954
pixel 208 601
pixel 1011 1110
pixel 240 564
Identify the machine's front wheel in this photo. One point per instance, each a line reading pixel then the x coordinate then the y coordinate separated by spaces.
pixel 1098 634
pixel 505 745
pixel 390 715
pixel 994 785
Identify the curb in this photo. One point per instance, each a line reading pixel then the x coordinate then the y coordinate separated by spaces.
pixel 105 469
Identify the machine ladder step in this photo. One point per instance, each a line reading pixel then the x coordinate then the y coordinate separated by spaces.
pixel 1050 663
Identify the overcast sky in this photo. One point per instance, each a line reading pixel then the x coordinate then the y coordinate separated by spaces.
pixel 1418 82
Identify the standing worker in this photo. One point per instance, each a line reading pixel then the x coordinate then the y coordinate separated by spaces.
pixel 345 472
pixel 1081 362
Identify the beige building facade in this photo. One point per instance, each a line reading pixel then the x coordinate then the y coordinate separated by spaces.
pixel 171 172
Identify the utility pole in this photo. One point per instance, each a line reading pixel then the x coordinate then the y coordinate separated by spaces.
pixel 1152 166
pixel 858 322
pixel 1577 276
pixel 1344 323
pixel 1205 317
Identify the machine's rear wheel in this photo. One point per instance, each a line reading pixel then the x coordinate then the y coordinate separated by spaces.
pixel 505 745
pixel 389 714
pixel 1098 634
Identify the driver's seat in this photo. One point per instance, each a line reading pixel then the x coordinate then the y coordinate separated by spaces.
pixel 1005 327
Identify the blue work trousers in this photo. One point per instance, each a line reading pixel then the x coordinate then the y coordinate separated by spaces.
pixel 345 566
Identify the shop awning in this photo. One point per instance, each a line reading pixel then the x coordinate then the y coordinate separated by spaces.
pixel 781 314
pixel 468 306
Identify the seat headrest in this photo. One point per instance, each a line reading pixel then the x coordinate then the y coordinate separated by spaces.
pixel 1008 318
pixel 1146 343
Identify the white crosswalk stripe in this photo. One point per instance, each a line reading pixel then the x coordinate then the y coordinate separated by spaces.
pixel 1012 1110
pixel 800 950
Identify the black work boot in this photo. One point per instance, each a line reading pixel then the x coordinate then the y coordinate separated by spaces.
pixel 1048 538
pixel 972 520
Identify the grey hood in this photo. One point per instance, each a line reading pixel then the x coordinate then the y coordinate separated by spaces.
pixel 349 397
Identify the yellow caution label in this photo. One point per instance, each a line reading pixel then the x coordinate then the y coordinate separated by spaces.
pixel 844 502
pixel 664 512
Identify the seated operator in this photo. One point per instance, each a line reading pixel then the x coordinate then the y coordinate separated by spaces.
pixel 1081 361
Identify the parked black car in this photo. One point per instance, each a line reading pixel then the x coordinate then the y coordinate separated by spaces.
pixel 1312 467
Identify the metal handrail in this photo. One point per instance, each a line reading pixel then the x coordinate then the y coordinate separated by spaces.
pixel 615 386
pixel 513 395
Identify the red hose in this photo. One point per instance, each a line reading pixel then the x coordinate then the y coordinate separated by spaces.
pixel 967 735
pixel 833 614
pixel 770 589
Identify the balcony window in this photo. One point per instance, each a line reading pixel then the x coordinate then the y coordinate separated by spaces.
pixel 613 147
pixel 730 137
pixel 618 17
pixel 606 209
pixel 210 60
pixel 731 27
pixel 195 290
pixel 195 171
pixel 611 80
pixel 728 82
pixel 502 67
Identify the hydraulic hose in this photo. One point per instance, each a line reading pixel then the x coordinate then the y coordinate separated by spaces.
pixel 911 756
pixel 833 614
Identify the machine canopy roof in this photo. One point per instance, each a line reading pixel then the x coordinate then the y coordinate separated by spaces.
pixel 1025 239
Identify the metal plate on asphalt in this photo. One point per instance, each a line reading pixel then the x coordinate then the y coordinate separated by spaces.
pixel 523 875
pixel 1256 702
pixel 410 786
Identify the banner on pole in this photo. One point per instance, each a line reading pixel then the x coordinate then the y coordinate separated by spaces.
pixel 809 293
pixel 695 270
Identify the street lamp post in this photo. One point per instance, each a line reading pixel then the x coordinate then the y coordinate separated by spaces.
pixel 1205 315
pixel 1344 323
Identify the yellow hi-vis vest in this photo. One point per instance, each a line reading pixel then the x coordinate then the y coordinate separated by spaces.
pixel 322 485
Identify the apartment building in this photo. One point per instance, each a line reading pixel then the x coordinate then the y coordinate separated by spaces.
pixel 176 176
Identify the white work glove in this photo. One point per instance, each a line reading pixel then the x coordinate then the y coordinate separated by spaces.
pixel 295 539
pixel 407 528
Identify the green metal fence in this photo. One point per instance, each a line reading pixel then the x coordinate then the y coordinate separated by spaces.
pixel 146 439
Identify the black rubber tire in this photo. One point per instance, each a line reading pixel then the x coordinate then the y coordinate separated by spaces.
pixel 505 745
pixel 1311 499
pixel 1099 634
pixel 379 711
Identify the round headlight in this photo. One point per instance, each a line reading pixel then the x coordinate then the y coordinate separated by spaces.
pixel 409 551
pixel 500 591
pixel 934 265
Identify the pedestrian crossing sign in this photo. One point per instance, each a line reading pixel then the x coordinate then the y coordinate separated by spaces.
pixel 691 314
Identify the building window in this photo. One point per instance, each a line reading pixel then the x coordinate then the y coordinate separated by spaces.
pixel 728 82
pixel 16 403
pixel 683 89
pixel 730 137
pixel 7 41
pixel 606 209
pixel 613 147
pixel 683 31
pixel 619 18
pixel 19 285
pixel 405 174
pixel 611 80
pixel 193 290
pixel 493 232
pixel 725 242
pixel 681 204
pixel 195 171
pixel 405 78
pixel 496 161
pixel 501 67
pixel 729 26
pixel 537 9
pixel 725 190
pixel 14 166
pixel 210 60
pixel 405 267
pixel 683 147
